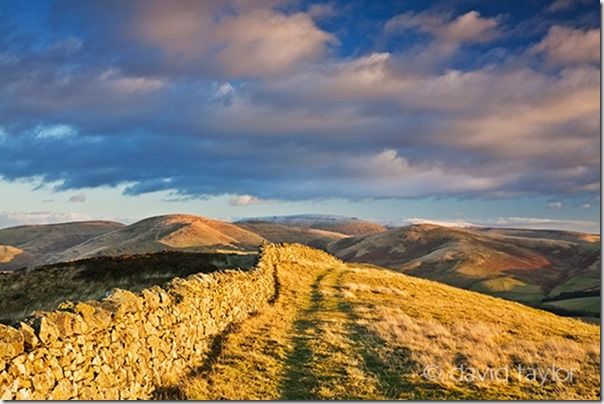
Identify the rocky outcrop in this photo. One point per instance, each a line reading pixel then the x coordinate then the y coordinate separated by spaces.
pixel 130 344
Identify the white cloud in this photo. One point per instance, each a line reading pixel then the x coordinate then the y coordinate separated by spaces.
pixel 54 132
pixel 569 46
pixel 246 40
pixel 265 42
pixel 389 175
pixel 246 200
pixel 122 84
pixel 322 11
pixel 16 218
pixel 225 90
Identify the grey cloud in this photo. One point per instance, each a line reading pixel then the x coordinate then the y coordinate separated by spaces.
pixel 15 218
pixel 77 198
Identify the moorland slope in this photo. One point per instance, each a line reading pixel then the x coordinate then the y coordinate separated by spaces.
pixel 280 233
pixel 39 244
pixel 350 226
pixel 168 232
pixel 535 267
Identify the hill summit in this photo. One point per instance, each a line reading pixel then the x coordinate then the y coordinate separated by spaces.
pixel 167 232
pixel 29 246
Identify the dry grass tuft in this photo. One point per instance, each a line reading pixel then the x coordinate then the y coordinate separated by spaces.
pixel 357 332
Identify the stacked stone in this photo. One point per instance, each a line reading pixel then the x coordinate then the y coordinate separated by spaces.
pixel 127 345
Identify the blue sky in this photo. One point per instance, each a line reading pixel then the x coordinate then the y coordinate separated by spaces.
pixel 484 112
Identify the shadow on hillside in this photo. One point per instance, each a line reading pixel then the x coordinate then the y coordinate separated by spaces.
pixel 299 382
pixel 43 288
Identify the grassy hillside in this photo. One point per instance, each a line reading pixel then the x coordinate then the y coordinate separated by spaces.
pixel 544 234
pixel 280 233
pixel 350 226
pixel 169 232
pixel 354 331
pixel 527 266
pixel 41 243
pixel 43 288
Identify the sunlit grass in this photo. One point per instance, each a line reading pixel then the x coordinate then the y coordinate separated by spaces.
pixel 355 332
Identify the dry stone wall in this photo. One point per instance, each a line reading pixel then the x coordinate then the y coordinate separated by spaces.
pixel 130 344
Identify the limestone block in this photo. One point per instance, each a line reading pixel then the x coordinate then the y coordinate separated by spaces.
pixel 63 322
pixel 124 302
pixel 11 342
pixel 152 298
pixel 43 382
pixel 30 339
pixel 95 315
pixel 62 391
pixel 23 394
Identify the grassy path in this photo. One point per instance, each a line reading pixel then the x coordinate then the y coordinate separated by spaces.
pixel 299 348
pixel 351 332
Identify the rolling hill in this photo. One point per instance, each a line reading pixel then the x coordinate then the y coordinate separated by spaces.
pixel 279 233
pixel 32 245
pixel 358 332
pixel 544 234
pixel 556 270
pixel 169 232
pixel 533 267
pixel 350 226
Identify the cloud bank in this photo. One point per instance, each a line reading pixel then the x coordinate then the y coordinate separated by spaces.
pixel 259 98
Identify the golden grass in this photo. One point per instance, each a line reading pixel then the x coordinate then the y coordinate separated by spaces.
pixel 8 253
pixel 359 332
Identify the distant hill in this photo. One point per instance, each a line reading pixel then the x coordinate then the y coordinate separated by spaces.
pixel 557 270
pixel 39 244
pixel 35 245
pixel 169 232
pixel 350 226
pixel 279 233
pixel 528 266
pixel 544 234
